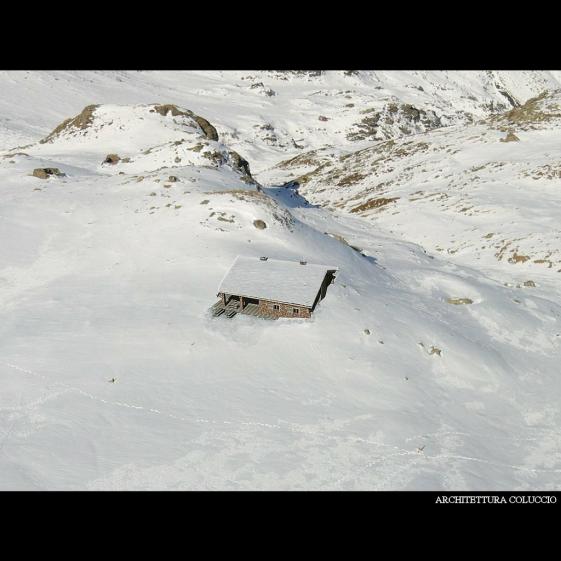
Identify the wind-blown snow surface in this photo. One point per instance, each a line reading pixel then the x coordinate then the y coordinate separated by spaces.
pixel 110 276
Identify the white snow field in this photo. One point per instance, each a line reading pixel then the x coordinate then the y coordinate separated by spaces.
pixel 421 369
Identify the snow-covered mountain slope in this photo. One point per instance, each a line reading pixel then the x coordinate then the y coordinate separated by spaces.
pixel 125 140
pixel 486 195
pixel 268 116
pixel 417 371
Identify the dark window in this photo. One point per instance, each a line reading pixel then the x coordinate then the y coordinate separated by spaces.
pixel 276 307
pixel 295 311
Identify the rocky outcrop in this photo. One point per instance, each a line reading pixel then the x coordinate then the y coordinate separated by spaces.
pixel 240 164
pixel 45 173
pixel 80 122
pixel 459 301
pixel 209 131
pixel 111 159
pixel 510 137
pixel 394 119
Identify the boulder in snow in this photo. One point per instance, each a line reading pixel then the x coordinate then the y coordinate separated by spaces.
pixel 45 173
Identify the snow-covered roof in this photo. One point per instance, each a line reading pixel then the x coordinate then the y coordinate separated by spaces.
pixel 282 281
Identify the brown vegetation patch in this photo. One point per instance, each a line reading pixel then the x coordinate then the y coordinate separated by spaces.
pixel 516 258
pixel 543 261
pixel 351 179
pixel 545 172
pixel 374 203
pixel 13 154
pixel 532 112
pixel 500 254
pixel 435 351
pixel 279 213
pixel 306 159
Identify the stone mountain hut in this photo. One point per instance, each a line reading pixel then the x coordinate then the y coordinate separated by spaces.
pixel 272 288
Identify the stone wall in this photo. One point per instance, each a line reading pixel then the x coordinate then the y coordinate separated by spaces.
pixel 285 310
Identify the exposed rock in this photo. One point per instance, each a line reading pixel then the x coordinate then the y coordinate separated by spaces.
pixel 80 122
pixel 458 301
pixel 45 173
pixel 367 331
pixel 259 224
pixel 166 108
pixel 518 258
pixel 216 157
pixel 240 164
pixel 408 118
pixel 111 159
pixel 173 178
pixel 208 130
pixel 323 118
pixel 510 137
pixel 530 283
pixel 534 111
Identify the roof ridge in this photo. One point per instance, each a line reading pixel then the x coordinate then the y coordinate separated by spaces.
pixel 294 262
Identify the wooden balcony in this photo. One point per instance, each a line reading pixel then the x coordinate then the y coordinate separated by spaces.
pixel 233 308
